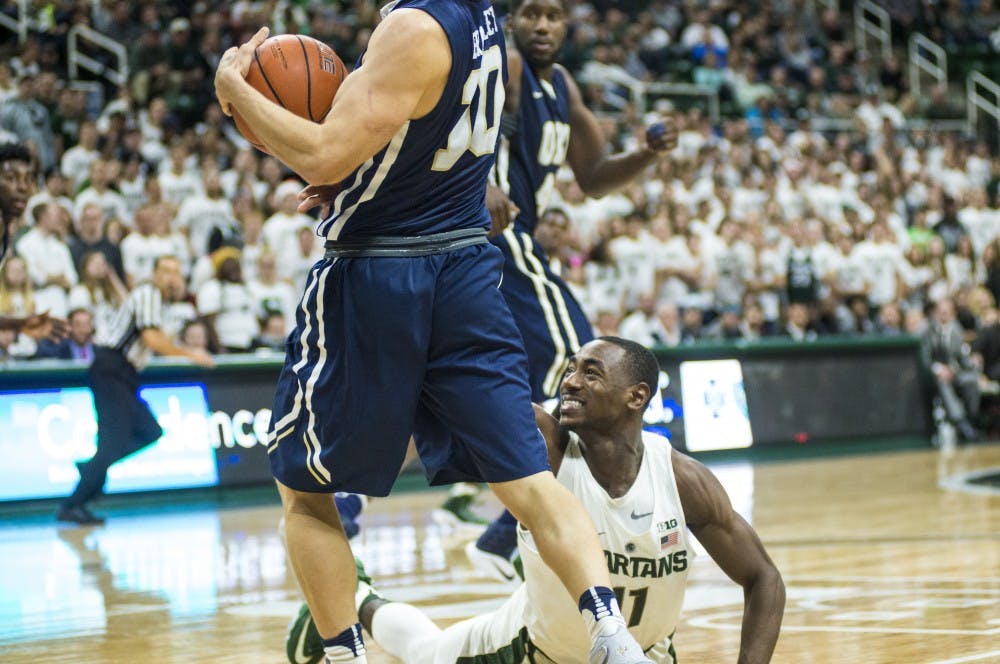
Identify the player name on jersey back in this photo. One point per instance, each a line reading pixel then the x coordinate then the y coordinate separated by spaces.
pixel 482 35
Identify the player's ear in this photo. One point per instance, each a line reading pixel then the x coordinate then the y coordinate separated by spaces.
pixel 638 396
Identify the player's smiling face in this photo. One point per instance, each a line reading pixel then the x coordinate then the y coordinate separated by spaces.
pixel 539 28
pixel 593 391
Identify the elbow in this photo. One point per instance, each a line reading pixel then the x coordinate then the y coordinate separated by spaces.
pixel 316 170
pixel 591 187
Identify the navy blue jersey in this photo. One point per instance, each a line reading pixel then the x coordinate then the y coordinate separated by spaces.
pixel 432 175
pixel 529 159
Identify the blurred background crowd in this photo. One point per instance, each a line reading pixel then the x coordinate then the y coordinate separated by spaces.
pixel 825 197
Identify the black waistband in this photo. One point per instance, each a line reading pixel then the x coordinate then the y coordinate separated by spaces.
pixel 406 245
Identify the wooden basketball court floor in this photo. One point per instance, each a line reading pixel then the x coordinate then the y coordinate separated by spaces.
pixel 886 558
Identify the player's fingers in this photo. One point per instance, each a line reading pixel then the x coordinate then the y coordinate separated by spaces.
pixel 308 203
pixel 260 36
pixel 228 56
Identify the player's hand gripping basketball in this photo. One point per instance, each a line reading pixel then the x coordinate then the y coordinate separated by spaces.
pixel 233 68
pixel 662 136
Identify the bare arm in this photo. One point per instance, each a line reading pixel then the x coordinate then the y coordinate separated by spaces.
pixel 597 172
pixel 157 341
pixel 11 323
pixel 371 106
pixel 39 326
pixel 734 545
pixel 555 437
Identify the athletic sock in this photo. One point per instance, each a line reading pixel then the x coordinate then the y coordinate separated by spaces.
pixel 600 611
pixel 350 505
pixel 404 631
pixel 507 518
pixel 348 646
pixel 461 489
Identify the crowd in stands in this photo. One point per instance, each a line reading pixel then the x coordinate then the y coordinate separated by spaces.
pixel 763 222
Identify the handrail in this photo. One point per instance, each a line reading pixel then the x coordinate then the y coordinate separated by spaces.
pixel 926 57
pixel 871 19
pixel 976 101
pixel 19 23
pixel 688 90
pixel 640 90
pixel 78 60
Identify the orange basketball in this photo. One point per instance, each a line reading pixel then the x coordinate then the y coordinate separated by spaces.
pixel 296 72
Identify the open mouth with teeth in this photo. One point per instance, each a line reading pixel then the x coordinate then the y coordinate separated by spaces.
pixel 569 404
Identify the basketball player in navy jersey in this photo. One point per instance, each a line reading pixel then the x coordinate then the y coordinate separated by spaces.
pixel 401 327
pixel 17 181
pixel 644 498
pixel 546 124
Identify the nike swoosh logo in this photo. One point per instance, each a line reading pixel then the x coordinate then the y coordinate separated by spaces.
pixel 300 647
pixel 639 516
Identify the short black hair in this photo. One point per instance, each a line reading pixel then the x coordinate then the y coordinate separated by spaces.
pixel 640 363
pixel 514 5
pixel 15 152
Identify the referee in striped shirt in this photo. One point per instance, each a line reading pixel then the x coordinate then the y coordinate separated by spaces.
pixel 124 422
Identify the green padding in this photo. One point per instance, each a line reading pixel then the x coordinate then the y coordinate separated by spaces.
pixel 513 653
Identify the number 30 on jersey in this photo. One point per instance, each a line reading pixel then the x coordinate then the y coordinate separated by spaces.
pixel 477 133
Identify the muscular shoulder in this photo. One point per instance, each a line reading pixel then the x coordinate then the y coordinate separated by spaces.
pixel 411 35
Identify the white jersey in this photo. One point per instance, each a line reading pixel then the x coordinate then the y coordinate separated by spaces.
pixel 646 546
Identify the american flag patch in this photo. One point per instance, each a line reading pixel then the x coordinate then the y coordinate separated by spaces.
pixel 669 540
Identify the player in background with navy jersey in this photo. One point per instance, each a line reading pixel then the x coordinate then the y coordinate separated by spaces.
pixel 401 327
pixel 546 124
pixel 17 182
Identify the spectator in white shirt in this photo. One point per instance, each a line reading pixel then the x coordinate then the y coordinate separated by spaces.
pixel 227 303
pixel 76 161
pixel 271 293
pixel 252 227
pixel 295 264
pixel 53 191
pixel 204 212
pixel 49 261
pixel 281 227
pixel 151 126
pixel 702 33
pixel 132 184
pixel 641 325
pixel 143 246
pixel 180 181
pixel 240 181
pixel 102 195
pixel 100 291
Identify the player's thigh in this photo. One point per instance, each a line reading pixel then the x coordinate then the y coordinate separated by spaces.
pixel 347 395
pixel 476 399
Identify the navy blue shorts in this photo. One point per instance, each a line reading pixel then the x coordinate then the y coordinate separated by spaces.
pixel 386 347
pixel 551 321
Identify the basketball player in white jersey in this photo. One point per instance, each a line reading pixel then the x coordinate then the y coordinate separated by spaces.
pixel 644 498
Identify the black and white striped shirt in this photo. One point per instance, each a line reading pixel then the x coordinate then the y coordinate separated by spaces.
pixel 142 310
